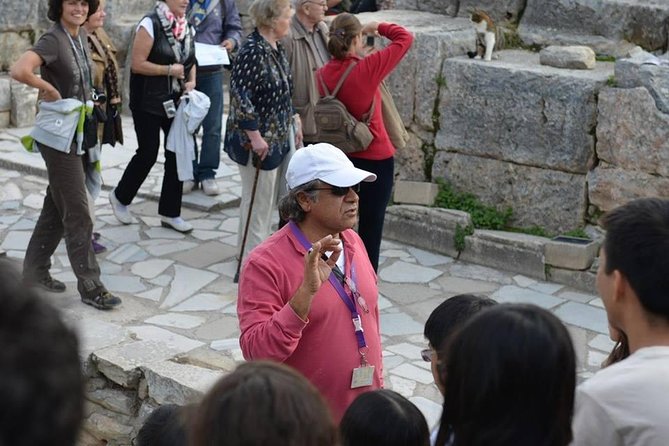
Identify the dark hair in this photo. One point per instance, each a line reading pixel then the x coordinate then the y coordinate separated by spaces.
pixel 510 379
pixel 263 403
pixel 166 426
pixel 56 9
pixel 41 384
pixel 343 29
pixel 289 207
pixel 620 351
pixel 636 244
pixel 450 315
pixel 383 417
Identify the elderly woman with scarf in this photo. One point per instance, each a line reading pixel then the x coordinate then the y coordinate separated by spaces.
pixel 62 57
pixel 163 69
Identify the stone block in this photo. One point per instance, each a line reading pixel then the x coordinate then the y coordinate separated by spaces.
pixel 610 186
pixel 639 21
pixel 507 251
pixel 108 429
pixel 121 364
pixel 5 94
pixel 581 280
pixel 23 105
pixel 5 119
pixel 553 200
pixel 571 252
pixel 119 401
pixel 410 161
pixel 414 82
pixel 571 57
pixel 631 132
pixel 172 383
pixel 516 110
pixel 18 14
pixel 415 192
pixel 422 227
pixel 12 45
pixel 636 72
pixel 499 10
pixel 411 5
pixel 539 36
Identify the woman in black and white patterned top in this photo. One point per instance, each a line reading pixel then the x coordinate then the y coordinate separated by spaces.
pixel 262 116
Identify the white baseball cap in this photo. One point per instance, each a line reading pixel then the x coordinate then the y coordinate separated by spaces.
pixel 324 162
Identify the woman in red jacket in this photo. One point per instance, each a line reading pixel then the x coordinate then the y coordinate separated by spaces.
pixel 357 92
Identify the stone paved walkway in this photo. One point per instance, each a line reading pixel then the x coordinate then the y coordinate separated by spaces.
pixel 178 288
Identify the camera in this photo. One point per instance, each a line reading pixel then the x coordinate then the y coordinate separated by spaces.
pixel 369 41
pixel 170 108
pixel 98 96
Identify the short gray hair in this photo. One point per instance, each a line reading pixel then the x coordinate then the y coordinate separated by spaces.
pixel 264 12
pixel 289 207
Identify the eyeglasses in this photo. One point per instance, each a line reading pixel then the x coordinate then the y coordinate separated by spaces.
pixel 322 4
pixel 340 191
pixel 427 354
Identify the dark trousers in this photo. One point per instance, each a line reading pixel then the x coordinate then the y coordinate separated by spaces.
pixel 147 128
pixel 64 214
pixel 374 198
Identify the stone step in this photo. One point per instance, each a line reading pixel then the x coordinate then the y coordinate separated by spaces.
pixel 641 22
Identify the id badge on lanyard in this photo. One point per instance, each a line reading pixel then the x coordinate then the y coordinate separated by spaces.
pixel 362 376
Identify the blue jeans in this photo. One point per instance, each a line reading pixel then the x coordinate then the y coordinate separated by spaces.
pixel 209 157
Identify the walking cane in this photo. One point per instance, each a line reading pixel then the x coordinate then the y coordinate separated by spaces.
pixel 257 163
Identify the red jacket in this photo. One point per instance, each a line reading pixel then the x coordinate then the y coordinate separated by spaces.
pixel 363 84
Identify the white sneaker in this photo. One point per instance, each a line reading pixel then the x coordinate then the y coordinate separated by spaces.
pixel 210 187
pixel 120 210
pixel 188 186
pixel 176 223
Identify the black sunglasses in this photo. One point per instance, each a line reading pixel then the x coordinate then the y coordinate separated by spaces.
pixel 338 190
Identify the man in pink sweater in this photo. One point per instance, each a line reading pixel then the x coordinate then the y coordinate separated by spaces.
pixel 308 295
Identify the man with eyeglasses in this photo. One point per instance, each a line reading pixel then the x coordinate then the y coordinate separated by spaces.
pixel 308 295
pixel 307 50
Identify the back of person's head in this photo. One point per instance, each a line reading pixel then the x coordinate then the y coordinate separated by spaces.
pixel 166 426
pixel 263 403
pixel 383 417
pixel 451 314
pixel 55 9
pixel 41 384
pixel 343 29
pixel 637 245
pixel 510 379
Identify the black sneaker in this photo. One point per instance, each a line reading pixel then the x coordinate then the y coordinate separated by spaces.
pixel 49 284
pixel 103 301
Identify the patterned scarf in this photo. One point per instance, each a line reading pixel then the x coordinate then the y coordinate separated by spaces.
pixel 178 23
pixel 198 11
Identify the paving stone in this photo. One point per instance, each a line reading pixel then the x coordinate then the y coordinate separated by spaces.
pixel 187 281
pixel 225 344
pixel 403 386
pixel 205 254
pixel 16 240
pixel 390 362
pixel 384 303
pixel 123 284
pixel 577 297
pixel 151 268
pixel 514 294
pixel 225 326
pixel 595 359
pixel 122 234
pixel 180 343
pixel 584 316
pixel 96 335
pixel 430 410
pixel 406 293
pixel 228 268
pixel 173 320
pixel 471 271
pixel 203 302
pixel 458 285
pixel 163 280
pixel 129 253
pixel 164 233
pixel 172 383
pixel 166 247
pixel 523 281
pixel 546 288
pixel 602 342
pixel 579 341
pixel 153 295
pixel 399 324
pixel 409 351
pixel 413 373
pixel 205 235
pixel 403 272
pixel 596 303
pixel 34 201
pixel 427 258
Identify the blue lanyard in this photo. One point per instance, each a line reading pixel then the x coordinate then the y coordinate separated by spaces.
pixel 348 300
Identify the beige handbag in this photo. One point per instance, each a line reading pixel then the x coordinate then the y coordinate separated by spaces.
pixel 391 119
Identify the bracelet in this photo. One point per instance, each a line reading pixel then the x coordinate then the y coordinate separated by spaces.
pixel 169 68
